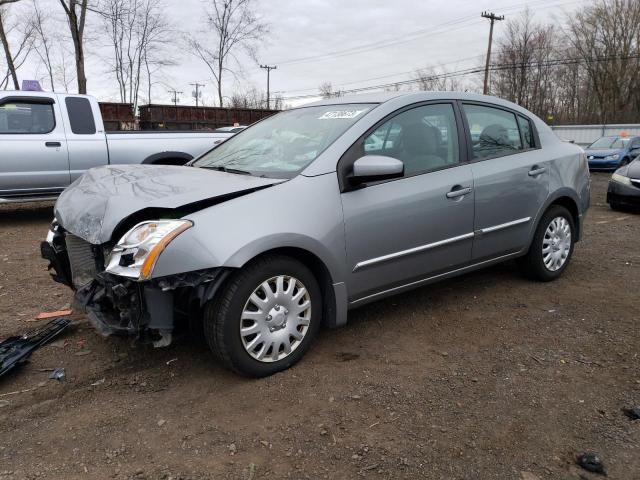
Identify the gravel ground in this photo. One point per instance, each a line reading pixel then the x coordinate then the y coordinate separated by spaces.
pixel 486 376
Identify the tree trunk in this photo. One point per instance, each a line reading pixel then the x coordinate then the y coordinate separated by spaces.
pixel 77 29
pixel 7 53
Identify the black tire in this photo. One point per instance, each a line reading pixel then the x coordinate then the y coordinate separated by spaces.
pixel 532 264
pixel 222 315
pixel 616 206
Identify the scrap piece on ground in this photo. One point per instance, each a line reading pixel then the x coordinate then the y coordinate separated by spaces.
pixel 58 374
pixel 633 413
pixel 15 350
pixel 591 462
pixel 47 315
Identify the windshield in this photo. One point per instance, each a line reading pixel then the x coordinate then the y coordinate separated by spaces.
pixel 282 145
pixel 609 142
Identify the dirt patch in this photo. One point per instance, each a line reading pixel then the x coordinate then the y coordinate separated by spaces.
pixel 486 376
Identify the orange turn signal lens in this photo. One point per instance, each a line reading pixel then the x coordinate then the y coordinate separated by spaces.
pixel 152 258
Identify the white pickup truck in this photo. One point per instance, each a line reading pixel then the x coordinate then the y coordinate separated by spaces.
pixel 47 140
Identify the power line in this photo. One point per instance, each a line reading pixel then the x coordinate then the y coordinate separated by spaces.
pixel 494 67
pixel 493 18
pixel 197 91
pixel 268 69
pixel 175 94
pixel 411 36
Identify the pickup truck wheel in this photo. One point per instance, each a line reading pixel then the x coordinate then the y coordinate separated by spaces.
pixel 552 246
pixel 266 316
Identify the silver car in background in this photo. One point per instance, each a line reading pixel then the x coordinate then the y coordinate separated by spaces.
pixel 313 211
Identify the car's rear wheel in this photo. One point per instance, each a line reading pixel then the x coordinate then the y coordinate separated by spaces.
pixel 266 316
pixel 552 245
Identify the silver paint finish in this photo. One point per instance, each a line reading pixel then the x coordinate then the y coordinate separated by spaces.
pixel 310 215
pixel 411 251
pixel 95 204
pixel 377 165
pixel 31 169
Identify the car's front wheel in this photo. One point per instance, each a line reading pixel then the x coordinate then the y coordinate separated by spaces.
pixel 265 317
pixel 552 245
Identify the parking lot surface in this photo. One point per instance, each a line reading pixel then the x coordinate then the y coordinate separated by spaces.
pixel 486 376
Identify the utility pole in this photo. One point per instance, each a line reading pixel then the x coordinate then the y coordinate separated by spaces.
pixel 175 94
pixel 493 18
pixel 268 69
pixel 197 92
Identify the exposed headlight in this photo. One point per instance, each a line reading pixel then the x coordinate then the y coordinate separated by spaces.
pixel 615 156
pixel 137 252
pixel 616 177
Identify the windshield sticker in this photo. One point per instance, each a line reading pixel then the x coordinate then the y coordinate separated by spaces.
pixel 340 114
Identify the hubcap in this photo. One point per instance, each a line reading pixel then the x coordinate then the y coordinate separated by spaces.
pixel 275 318
pixel 556 244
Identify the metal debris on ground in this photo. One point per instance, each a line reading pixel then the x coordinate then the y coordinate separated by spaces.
pixel 58 374
pixel 15 350
pixel 98 382
pixel 591 462
pixel 633 413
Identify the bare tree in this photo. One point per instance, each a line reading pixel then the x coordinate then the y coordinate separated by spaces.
pixel 76 18
pixel 606 37
pixel 249 98
pixel 326 90
pixel 526 69
pixel 43 45
pixel 5 42
pixel 138 32
pixel 232 26
pixel 434 80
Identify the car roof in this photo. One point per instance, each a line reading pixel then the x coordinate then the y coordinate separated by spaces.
pixel 413 96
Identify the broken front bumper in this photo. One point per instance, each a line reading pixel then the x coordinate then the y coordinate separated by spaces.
pixel 119 305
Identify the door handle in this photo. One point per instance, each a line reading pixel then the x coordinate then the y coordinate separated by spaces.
pixel 458 192
pixel 535 171
pixel 52 144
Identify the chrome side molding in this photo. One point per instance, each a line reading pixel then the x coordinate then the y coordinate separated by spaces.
pixel 446 241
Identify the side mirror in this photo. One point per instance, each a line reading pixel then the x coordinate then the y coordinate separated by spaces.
pixel 372 168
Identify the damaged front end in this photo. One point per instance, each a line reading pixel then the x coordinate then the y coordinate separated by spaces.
pixel 127 302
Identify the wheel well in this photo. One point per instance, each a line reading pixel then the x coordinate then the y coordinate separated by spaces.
pixel 170 161
pixel 320 271
pixel 569 204
pixel 168 158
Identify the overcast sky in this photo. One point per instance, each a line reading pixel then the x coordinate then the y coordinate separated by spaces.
pixel 312 41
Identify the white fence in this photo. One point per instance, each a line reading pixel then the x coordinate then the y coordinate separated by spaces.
pixel 587 134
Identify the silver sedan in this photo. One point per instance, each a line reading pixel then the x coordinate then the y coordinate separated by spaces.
pixel 314 211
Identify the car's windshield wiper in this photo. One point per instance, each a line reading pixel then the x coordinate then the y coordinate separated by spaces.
pixel 222 168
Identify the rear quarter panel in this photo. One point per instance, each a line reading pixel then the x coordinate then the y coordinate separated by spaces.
pixel 569 171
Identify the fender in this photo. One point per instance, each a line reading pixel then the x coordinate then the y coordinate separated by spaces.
pixel 564 192
pixel 157 157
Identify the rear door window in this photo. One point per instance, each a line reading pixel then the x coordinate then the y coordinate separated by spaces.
pixel 26 117
pixel 80 116
pixel 494 132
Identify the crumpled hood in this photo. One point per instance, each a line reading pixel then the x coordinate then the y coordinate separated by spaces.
pixel 93 205
pixel 603 153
